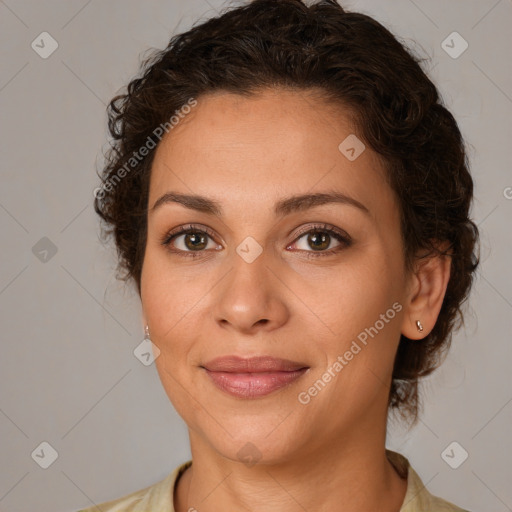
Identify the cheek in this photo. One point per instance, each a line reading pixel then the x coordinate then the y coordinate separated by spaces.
pixel 168 294
pixel 358 294
pixel 360 350
pixel 363 316
pixel 168 297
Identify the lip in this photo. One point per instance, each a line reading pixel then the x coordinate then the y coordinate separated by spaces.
pixel 256 364
pixel 253 377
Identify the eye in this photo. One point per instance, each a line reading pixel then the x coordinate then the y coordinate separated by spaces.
pixel 320 238
pixel 189 240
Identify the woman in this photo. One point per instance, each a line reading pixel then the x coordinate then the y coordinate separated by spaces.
pixel 291 199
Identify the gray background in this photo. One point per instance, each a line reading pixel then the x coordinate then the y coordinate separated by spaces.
pixel 68 375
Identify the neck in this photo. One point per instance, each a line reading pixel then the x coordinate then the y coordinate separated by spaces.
pixel 354 472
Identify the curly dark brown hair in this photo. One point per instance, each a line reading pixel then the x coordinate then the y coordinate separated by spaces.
pixel 357 63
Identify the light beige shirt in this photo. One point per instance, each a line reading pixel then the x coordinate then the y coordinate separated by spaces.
pixel 158 497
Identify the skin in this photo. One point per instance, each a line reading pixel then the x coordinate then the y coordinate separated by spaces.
pixel 247 154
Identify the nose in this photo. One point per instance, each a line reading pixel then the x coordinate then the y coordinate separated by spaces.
pixel 251 298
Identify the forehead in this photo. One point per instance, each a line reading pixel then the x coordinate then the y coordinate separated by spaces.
pixel 245 152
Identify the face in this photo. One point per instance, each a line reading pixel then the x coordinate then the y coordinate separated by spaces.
pixel 316 282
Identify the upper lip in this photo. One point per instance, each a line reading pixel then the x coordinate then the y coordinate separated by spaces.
pixel 236 364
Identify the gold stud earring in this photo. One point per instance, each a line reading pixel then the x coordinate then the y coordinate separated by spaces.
pixel 419 326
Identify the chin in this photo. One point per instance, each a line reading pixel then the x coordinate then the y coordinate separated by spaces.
pixel 256 450
pixel 260 440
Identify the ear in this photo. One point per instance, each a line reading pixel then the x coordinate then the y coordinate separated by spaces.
pixel 427 288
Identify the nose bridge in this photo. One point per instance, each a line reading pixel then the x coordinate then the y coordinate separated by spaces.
pixel 249 277
pixel 250 295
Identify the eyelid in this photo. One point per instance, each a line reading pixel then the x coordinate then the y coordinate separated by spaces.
pixel 322 226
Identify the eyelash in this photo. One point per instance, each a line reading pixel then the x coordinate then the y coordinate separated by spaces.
pixel 340 236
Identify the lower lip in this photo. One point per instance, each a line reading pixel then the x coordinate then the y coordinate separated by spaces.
pixel 253 385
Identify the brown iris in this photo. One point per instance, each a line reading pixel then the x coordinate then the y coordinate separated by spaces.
pixel 319 240
pixel 197 241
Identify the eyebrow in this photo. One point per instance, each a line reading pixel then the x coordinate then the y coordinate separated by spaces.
pixel 283 207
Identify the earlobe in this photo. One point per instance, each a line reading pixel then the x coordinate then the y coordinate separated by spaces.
pixel 426 296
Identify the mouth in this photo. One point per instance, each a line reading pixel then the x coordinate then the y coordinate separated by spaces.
pixel 253 377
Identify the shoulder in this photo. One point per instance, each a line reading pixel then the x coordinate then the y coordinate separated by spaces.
pixel 417 497
pixel 423 500
pixel 158 496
